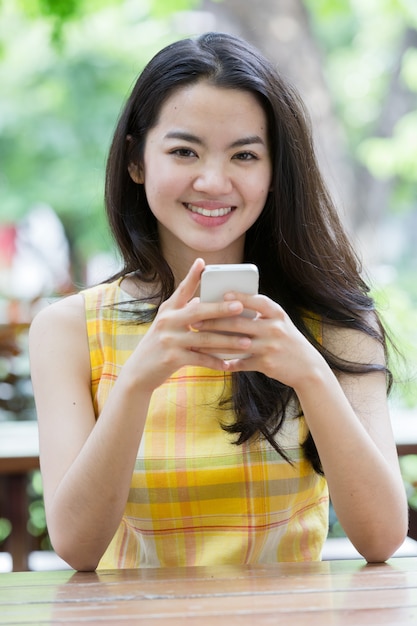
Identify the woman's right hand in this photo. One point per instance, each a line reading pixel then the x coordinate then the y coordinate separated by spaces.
pixel 172 341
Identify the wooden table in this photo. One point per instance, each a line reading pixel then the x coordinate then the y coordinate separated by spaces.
pixel 19 455
pixel 333 593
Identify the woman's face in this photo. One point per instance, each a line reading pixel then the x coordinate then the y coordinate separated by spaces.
pixel 206 171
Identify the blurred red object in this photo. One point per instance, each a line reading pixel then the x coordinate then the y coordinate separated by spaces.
pixel 8 235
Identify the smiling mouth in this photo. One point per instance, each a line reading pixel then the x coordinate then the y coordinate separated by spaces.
pixel 209 212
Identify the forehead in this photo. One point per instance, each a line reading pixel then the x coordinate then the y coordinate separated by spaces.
pixel 205 104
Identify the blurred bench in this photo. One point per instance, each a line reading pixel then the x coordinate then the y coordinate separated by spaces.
pixel 19 455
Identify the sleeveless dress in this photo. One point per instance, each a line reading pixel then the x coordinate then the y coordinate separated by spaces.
pixel 196 498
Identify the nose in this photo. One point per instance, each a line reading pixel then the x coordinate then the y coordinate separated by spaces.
pixel 213 179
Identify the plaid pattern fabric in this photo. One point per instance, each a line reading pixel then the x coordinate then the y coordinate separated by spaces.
pixel 196 498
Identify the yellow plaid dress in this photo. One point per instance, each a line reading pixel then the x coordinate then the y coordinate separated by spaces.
pixel 196 498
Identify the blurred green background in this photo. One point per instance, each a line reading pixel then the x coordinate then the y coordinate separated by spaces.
pixel 66 67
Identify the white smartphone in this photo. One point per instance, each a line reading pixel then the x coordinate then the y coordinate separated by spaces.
pixel 217 280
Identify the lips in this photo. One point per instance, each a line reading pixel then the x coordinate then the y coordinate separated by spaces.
pixel 209 212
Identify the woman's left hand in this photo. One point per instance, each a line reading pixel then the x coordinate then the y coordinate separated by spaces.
pixel 278 349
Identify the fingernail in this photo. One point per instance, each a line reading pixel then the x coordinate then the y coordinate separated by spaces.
pixel 235 306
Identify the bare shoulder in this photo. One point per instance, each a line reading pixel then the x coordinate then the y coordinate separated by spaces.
pixel 68 310
pixel 60 329
pixel 354 345
pixel 367 393
pixel 61 376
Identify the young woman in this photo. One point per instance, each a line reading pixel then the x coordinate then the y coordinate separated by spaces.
pixel 154 452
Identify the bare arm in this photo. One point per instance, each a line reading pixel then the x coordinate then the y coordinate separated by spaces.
pixel 86 468
pixel 349 420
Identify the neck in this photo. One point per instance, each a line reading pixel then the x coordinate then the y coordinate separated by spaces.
pixel 181 260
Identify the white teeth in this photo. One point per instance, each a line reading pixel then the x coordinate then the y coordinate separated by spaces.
pixel 210 213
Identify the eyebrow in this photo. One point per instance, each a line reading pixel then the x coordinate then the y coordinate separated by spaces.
pixel 243 141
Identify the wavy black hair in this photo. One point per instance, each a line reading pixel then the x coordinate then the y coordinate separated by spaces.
pixel 305 259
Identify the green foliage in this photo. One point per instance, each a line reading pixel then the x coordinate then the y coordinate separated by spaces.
pixel 371 69
pixel 62 104
pixel 395 155
pixel 334 22
pixel 65 10
pixel 397 306
pixel 37 519
pixel 408 466
pixel 162 8
pixel 5 528
pixel 363 44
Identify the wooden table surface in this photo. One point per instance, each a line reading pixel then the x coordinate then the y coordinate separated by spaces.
pixel 333 593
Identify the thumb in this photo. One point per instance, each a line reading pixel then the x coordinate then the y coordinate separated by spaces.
pixel 189 285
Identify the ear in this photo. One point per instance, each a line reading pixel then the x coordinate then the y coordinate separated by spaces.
pixel 136 173
pixel 135 170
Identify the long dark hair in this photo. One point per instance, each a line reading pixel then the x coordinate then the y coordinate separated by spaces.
pixel 305 260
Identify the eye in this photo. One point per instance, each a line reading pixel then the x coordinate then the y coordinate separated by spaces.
pixel 245 156
pixel 183 152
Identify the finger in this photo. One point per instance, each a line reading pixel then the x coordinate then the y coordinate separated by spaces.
pixel 199 314
pixel 231 322
pixel 259 303
pixel 189 285
pixel 217 342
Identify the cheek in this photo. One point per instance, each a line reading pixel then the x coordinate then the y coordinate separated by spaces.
pixel 153 197
pixel 259 193
pixel 155 184
pixel 165 182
